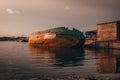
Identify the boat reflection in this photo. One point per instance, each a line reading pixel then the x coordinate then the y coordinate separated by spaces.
pixel 108 61
pixel 56 56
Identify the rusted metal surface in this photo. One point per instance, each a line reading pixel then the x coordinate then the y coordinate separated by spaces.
pixel 58 41
pixel 57 37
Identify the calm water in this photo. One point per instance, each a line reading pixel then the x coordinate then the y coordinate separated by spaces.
pixel 18 61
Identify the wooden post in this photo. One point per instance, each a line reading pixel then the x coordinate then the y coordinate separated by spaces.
pixel 108 44
pixel 108 47
pixel 95 45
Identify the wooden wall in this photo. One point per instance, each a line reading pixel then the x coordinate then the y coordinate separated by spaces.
pixel 107 31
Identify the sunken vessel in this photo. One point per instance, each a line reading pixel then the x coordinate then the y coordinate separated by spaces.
pixel 59 37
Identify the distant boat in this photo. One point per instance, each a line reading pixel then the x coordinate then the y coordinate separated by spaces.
pixel 23 40
pixel 57 37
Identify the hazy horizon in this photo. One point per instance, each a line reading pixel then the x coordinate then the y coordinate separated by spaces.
pixel 18 17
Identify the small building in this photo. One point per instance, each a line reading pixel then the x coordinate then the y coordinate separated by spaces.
pixel 108 35
pixel 91 37
pixel 108 31
pixel 91 34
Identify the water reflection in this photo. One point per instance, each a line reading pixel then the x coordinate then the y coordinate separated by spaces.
pixel 108 61
pixel 18 61
pixel 56 56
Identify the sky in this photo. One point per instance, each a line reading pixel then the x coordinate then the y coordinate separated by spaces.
pixel 22 17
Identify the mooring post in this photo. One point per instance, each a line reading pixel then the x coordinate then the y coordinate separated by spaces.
pixel 108 44
pixel 95 44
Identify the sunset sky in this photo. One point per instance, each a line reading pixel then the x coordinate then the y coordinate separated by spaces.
pixel 19 17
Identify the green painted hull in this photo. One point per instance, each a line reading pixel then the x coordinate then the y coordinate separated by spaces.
pixel 57 37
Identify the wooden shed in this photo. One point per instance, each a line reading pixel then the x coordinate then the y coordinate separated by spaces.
pixel 108 31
